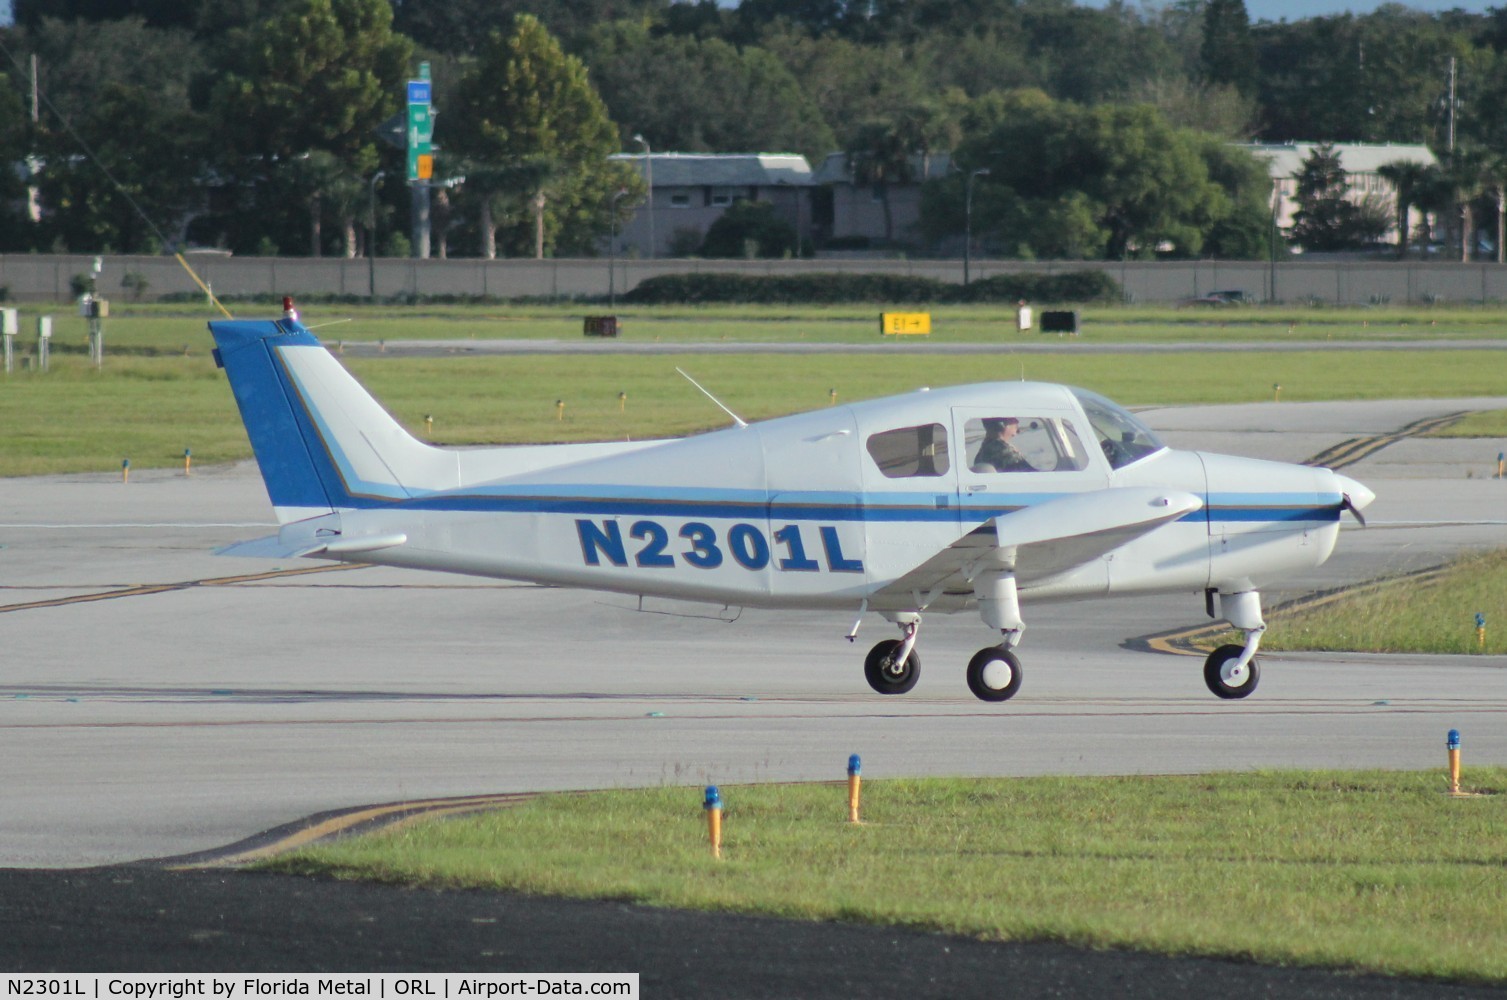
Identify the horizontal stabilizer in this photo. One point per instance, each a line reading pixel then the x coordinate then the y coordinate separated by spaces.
pixel 270 547
pixel 274 547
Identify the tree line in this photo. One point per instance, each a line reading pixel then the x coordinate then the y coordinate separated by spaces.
pixel 1079 132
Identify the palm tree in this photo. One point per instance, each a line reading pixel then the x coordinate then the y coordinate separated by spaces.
pixel 1407 178
pixel 880 156
pixel 1466 176
pixel 326 184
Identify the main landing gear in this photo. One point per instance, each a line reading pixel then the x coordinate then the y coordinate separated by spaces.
pixel 893 666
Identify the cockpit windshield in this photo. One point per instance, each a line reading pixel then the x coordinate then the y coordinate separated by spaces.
pixel 1121 434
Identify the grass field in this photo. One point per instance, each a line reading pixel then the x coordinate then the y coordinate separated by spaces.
pixel 159 393
pixel 172 328
pixel 1436 614
pixel 149 409
pixel 1374 871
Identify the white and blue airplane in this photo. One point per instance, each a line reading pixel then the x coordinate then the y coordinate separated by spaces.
pixel 971 498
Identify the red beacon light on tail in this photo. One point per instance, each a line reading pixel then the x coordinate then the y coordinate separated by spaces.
pixel 288 311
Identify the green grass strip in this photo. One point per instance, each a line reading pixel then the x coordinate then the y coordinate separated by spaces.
pixel 149 408
pixel 1433 615
pixel 1378 871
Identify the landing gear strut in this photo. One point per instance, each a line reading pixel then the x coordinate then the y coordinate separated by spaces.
pixel 1232 671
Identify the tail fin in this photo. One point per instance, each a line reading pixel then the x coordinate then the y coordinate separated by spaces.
pixel 322 442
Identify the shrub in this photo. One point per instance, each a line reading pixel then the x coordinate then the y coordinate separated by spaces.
pixel 749 229
pixel 820 288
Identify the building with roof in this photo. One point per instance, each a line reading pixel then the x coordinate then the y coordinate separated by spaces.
pixel 857 211
pixel 690 191
pixel 1361 162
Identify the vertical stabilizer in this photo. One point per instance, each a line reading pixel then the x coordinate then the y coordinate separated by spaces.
pixel 322 442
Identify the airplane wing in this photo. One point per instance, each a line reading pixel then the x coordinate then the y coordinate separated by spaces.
pixel 1045 539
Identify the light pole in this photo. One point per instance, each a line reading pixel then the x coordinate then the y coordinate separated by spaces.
pixel 968 221
pixel 612 252
pixel 371 235
pixel 649 179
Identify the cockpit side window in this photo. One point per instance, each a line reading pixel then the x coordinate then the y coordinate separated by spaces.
pixel 1122 436
pixel 1009 443
pixel 908 452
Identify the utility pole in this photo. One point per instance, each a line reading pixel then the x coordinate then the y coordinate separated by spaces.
pixel 1452 104
pixel 33 196
pixel 649 179
pixel 968 222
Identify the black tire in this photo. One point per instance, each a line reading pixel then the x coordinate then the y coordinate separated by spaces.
pixel 1228 688
pixel 994 674
pixel 884 675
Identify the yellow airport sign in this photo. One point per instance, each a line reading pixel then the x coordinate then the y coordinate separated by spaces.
pixel 904 324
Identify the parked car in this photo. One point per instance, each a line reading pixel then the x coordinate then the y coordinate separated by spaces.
pixel 1228 297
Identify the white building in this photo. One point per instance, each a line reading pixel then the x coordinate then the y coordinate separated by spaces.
pixel 1361 162
pixel 690 191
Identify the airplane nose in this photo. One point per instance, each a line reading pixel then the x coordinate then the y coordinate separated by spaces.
pixel 1358 494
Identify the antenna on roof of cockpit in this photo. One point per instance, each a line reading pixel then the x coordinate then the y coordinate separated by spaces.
pixel 737 419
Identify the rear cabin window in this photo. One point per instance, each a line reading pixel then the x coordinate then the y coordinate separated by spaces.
pixel 908 452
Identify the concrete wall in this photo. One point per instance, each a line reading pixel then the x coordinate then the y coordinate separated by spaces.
pixel 45 278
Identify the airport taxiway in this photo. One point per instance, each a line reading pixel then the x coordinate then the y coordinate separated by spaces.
pixel 158 700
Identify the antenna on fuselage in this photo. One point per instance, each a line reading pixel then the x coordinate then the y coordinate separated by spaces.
pixel 736 419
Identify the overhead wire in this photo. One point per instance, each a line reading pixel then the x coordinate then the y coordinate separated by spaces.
pixel 121 188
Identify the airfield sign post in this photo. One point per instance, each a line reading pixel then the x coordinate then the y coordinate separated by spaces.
pixel 420 156
pixel 10 325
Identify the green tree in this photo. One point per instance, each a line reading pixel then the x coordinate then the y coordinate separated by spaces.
pixel 462 26
pixel 1228 53
pixel 120 89
pixel 848 82
pixel 1244 230
pixel 1108 181
pixel 143 175
pixel 880 155
pixel 317 77
pixel 704 95
pixel 15 228
pixel 525 103
pixel 1218 108
pixel 1408 179
pixel 1327 219
pixel 1377 78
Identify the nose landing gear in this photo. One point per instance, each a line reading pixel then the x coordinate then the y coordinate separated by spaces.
pixel 1231 671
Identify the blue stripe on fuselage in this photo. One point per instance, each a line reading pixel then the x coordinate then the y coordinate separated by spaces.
pixel 608 501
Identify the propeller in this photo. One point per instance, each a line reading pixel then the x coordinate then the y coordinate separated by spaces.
pixel 1348 504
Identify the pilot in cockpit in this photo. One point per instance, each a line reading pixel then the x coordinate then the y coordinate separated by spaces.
pixel 997 453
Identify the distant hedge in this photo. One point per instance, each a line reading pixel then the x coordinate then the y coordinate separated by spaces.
pixel 1071 286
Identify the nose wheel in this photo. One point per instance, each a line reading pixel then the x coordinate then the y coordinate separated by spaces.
pixel 1227 676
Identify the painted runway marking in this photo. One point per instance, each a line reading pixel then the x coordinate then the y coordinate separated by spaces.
pixel 160 588
pixel 1352 450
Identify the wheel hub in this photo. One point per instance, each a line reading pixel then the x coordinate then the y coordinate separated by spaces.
pixel 998 674
pixel 1234 673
